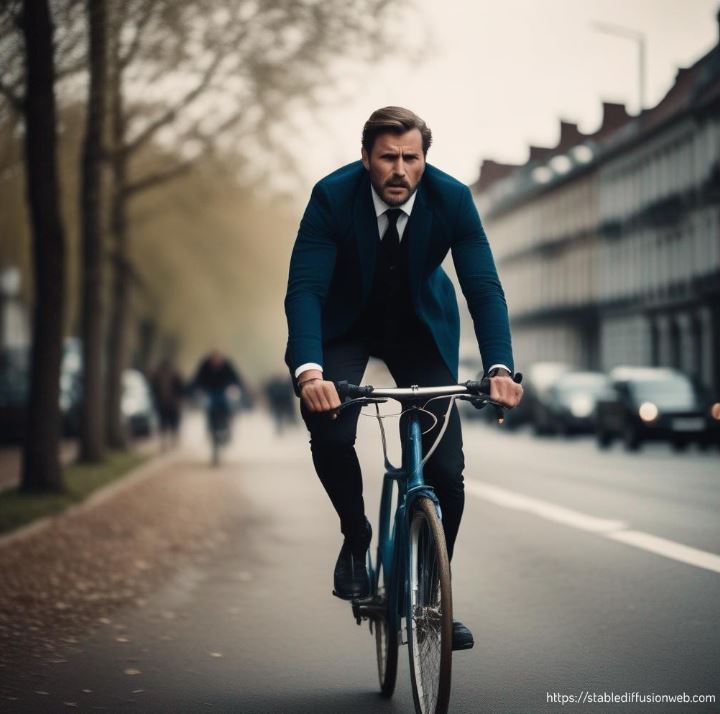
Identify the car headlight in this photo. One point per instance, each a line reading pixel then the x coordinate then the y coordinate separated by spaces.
pixel 648 411
pixel 715 411
pixel 581 406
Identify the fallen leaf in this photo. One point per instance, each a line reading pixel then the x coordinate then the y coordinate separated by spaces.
pixel 105 620
pixel 131 671
pixel 122 638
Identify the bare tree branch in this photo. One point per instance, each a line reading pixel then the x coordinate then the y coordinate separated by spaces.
pixel 15 100
pixel 170 114
pixel 142 23
pixel 159 178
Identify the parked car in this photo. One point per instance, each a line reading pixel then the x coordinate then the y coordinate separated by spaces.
pixel 572 399
pixel 653 403
pixel 71 386
pixel 14 394
pixel 137 405
pixel 533 409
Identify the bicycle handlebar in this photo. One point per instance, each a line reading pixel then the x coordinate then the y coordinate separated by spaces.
pixel 472 388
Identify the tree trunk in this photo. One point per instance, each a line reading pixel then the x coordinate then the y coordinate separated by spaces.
pixel 92 432
pixel 120 296
pixel 41 458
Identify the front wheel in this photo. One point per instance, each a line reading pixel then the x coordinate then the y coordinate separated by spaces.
pixel 429 611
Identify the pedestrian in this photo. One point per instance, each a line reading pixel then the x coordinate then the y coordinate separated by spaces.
pixel 281 401
pixel 167 387
pixel 365 280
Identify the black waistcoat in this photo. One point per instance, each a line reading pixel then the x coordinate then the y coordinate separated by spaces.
pixel 389 319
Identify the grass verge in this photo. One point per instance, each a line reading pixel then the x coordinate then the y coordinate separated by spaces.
pixel 17 509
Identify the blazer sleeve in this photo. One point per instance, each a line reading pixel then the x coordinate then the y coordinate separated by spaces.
pixel 480 284
pixel 311 269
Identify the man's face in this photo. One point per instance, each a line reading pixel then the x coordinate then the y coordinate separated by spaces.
pixel 396 165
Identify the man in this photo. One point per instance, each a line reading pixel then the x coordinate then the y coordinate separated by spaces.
pixel 365 279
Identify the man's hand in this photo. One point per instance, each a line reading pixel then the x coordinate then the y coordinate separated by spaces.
pixel 318 394
pixel 504 390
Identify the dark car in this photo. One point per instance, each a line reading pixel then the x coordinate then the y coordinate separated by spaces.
pixel 14 393
pixel 572 399
pixel 653 403
pixel 537 381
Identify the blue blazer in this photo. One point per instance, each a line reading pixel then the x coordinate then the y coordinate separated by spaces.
pixel 333 261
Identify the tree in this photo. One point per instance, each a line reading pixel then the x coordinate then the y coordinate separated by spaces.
pixel 243 67
pixel 92 431
pixel 41 464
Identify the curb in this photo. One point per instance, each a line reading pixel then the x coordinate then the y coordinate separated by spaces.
pixel 100 495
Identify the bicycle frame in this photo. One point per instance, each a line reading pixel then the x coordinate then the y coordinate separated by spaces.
pixel 393 551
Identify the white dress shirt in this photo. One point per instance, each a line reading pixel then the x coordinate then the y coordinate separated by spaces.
pixel 382 222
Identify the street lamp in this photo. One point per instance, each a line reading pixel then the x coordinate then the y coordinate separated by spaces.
pixel 635 36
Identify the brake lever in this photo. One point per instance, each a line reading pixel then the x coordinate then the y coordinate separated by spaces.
pixel 362 401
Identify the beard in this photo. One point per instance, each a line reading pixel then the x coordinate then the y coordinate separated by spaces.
pixel 394 201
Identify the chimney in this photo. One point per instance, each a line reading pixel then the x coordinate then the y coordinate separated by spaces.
pixel 570 135
pixel 614 116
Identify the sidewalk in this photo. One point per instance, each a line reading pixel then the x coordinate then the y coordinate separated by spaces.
pixel 74 574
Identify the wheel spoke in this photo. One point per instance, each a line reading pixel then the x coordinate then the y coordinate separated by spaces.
pixel 427 616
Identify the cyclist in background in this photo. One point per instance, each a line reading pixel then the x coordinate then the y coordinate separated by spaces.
pixel 216 376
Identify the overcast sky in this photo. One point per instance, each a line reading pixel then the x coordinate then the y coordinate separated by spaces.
pixel 501 75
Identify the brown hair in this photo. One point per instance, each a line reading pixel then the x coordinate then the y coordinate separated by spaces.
pixel 397 120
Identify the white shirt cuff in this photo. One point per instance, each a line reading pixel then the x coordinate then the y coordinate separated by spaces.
pixel 305 367
pixel 499 365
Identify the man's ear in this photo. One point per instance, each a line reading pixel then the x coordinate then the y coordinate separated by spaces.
pixel 365 158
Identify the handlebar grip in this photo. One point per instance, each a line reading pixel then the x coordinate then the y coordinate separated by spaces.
pixel 478 387
pixel 345 390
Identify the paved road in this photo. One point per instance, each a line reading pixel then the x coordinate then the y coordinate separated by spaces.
pixel 577 571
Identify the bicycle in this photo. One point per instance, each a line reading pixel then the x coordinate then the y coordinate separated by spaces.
pixel 412 579
pixel 219 415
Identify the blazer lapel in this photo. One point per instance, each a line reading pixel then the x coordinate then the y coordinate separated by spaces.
pixel 418 231
pixel 366 229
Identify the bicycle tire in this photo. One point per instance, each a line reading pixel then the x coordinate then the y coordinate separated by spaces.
pixel 429 611
pixel 386 643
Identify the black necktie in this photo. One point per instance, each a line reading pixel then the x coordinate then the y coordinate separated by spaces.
pixel 391 238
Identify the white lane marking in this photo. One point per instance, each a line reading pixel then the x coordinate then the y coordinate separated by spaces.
pixel 669 548
pixel 544 509
pixel 607 528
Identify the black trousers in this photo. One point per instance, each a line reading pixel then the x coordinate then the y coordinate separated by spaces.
pixel 332 441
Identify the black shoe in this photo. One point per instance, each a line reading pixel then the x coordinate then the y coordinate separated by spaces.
pixel 462 638
pixel 352 574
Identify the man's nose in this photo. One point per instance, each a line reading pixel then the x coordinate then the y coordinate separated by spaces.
pixel 400 167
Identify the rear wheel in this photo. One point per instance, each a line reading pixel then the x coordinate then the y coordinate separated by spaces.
pixel 429 611
pixel 386 642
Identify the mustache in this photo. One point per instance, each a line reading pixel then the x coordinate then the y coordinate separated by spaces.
pixel 401 184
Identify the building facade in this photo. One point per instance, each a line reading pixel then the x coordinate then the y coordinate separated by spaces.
pixel 608 244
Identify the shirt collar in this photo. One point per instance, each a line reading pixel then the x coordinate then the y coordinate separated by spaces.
pixel 381 206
